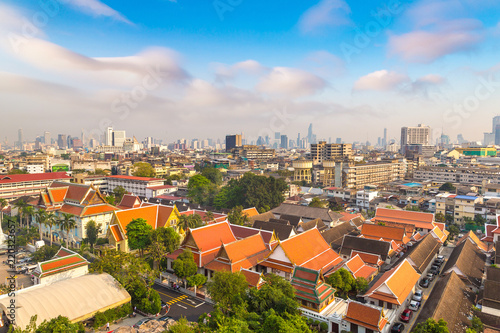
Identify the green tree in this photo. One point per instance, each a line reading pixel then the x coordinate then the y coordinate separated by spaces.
pixel 342 280
pixel 28 213
pixel 448 218
pixel 212 174
pixel 276 293
pixel 476 324
pixel 50 222
pixel 93 231
pixel 196 280
pixel 432 326
pixel 17 172
pixel 448 187
pixel 209 216
pixel 45 253
pixel 20 205
pixel 188 221
pixel 59 325
pixel 143 169
pixel 479 220
pixel 119 192
pixel 236 216
pixel 67 223
pixel 3 203
pixel 41 218
pixel 440 218
pixel 181 326
pixel 316 202
pixel 454 230
pixel 163 240
pixel 138 234
pixel 110 199
pixel 335 207
pixel 184 266
pixel 228 290
pixel 201 190
pixel 361 284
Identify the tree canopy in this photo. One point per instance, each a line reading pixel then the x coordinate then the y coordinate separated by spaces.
pixel 143 169
pixel 213 175
pixel 138 234
pixel 316 202
pixel 119 192
pixel 251 191
pixel 236 216
pixel 184 266
pixel 448 187
pixel 432 326
pixel 201 190
pixel 93 230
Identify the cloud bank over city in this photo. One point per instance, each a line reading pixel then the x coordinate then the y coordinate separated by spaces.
pixel 169 70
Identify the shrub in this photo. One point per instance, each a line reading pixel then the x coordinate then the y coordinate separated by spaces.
pixel 323 326
pixel 100 320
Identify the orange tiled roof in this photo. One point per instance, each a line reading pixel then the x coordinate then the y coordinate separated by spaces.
pixel 254 279
pixel 387 233
pixel 244 248
pixel 439 234
pixel 58 194
pixel 418 219
pixel 372 259
pixel 310 250
pixel 358 268
pixel 99 209
pixel 58 265
pixel 250 212
pixel 474 239
pixel 115 230
pixel 212 236
pixel 365 315
pixel 148 213
pixel 164 213
pixel 400 280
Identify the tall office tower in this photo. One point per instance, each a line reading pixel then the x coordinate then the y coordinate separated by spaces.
pixel 420 135
pixel 83 137
pixel 338 140
pixel 495 125
pixel 284 142
pixel 69 141
pixel 118 138
pixel 268 140
pixel 497 135
pixel 384 142
pixel 310 133
pixel 277 136
pixel 330 139
pixel 298 140
pixel 460 139
pixel 108 136
pixel 62 143
pixel 46 138
pixel 232 141
pixel 20 139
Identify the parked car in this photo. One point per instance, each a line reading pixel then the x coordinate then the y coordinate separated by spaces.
pixel 406 315
pixel 430 276
pixel 142 321
pixel 417 296
pixel 440 258
pixel 164 318
pixel 424 283
pixel 397 328
pixel 434 270
pixel 414 305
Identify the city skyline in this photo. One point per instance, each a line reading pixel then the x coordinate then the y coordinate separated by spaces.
pixel 166 68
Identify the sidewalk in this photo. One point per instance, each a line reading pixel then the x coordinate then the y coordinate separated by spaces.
pixel 125 322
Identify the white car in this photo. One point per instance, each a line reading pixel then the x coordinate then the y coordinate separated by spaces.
pixel 414 305
pixel 417 296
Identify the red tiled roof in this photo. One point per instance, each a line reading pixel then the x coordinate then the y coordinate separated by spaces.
pixel 129 201
pixel 387 233
pixel 145 179
pixel 164 213
pixel 4 179
pixel 70 209
pixel 369 258
pixel 58 265
pixel 418 219
pixel 148 213
pixel 160 187
pixel 75 192
pixel 58 194
pixel 254 279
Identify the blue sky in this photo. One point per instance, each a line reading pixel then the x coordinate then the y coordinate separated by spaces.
pixel 349 67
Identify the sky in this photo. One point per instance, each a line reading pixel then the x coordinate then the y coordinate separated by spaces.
pixel 203 69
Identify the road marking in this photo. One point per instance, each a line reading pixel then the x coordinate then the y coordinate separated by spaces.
pixel 199 304
pixel 182 306
pixel 179 301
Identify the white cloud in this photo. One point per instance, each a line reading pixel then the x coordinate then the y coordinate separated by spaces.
pixel 382 80
pixel 327 13
pixel 291 82
pixel 97 8
pixel 251 67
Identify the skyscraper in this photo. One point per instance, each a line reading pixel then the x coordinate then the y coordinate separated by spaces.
pixel 232 141
pixel 20 139
pixel 108 136
pixel 46 138
pixel 61 141
pixel 384 142
pixel 284 142
pixel 118 138
pixel 420 135
pixel 310 133
pixel 495 126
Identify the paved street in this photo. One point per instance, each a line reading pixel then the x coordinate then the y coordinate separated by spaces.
pixel 183 305
pixel 427 291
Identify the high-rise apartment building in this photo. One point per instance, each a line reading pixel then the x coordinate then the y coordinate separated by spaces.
pixel 284 142
pixel 233 141
pixel 323 151
pixel 46 138
pixel 420 135
pixel 62 141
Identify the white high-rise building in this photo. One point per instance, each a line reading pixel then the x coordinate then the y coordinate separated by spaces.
pixel 108 136
pixel 420 135
pixel 119 138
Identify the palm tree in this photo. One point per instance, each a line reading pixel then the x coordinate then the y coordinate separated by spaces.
pixel 3 204
pixel 188 221
pixel 40 217
pixel 28 211
pixel 209 216
pixel 50 222
pixel 20 205
pixel 67 223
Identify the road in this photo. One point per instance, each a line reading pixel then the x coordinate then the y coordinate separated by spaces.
pixel 183 305
pixel 427 291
